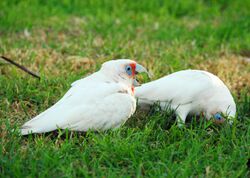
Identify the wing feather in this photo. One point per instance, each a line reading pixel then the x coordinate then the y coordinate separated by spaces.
pixel 86 105
pixel 178 88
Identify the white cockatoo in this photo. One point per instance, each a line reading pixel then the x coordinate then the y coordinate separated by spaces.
pixel 189 92
pixel 100 101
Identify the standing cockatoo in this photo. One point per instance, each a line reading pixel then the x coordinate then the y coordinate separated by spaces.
pixel 189 92
pixel 100 101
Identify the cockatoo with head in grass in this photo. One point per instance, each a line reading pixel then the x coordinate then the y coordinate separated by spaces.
pixel 100 101
pixel 191 92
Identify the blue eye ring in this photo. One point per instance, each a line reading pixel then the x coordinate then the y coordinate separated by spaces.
pixel 128 69
pixel 218 116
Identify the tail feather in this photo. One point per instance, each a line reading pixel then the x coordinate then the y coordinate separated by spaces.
pixel 25 130
pixel 39 124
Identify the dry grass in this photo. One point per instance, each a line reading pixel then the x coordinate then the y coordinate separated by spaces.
pixel 232 69
pixel 48 61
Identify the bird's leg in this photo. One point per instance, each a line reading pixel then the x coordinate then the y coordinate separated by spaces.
pixel 181 113
pixel 180 121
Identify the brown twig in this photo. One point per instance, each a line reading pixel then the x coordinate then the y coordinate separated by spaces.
pixel 21 67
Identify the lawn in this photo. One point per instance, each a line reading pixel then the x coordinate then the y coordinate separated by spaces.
pixel 67 40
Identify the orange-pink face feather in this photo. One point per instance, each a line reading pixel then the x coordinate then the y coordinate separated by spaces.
pixel 133 66
pixel 131 69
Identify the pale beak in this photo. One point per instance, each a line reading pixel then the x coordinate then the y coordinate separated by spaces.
pixel 136 83
pixel 230 120
pixel 139 69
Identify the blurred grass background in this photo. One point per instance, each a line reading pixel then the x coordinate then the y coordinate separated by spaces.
pixel 66 40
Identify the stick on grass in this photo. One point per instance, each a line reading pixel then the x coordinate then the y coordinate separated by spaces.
pixel 21 67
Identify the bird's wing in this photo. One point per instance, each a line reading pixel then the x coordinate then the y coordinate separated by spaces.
pixel 83 87
pixel 109 112
pixel 180 88
pixel 75 107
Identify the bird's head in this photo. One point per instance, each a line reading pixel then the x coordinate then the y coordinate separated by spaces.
pixel 123 70
pixel 223 112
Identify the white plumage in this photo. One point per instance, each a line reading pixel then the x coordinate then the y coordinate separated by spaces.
pixel 100 101
pixel 189 92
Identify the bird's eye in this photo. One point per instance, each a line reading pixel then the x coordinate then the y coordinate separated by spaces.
pixel 128 70
pixel 218 116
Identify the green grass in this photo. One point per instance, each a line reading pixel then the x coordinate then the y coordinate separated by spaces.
pixel 66 40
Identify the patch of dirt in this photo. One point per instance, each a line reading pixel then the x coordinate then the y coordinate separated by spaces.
pixel 233 70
